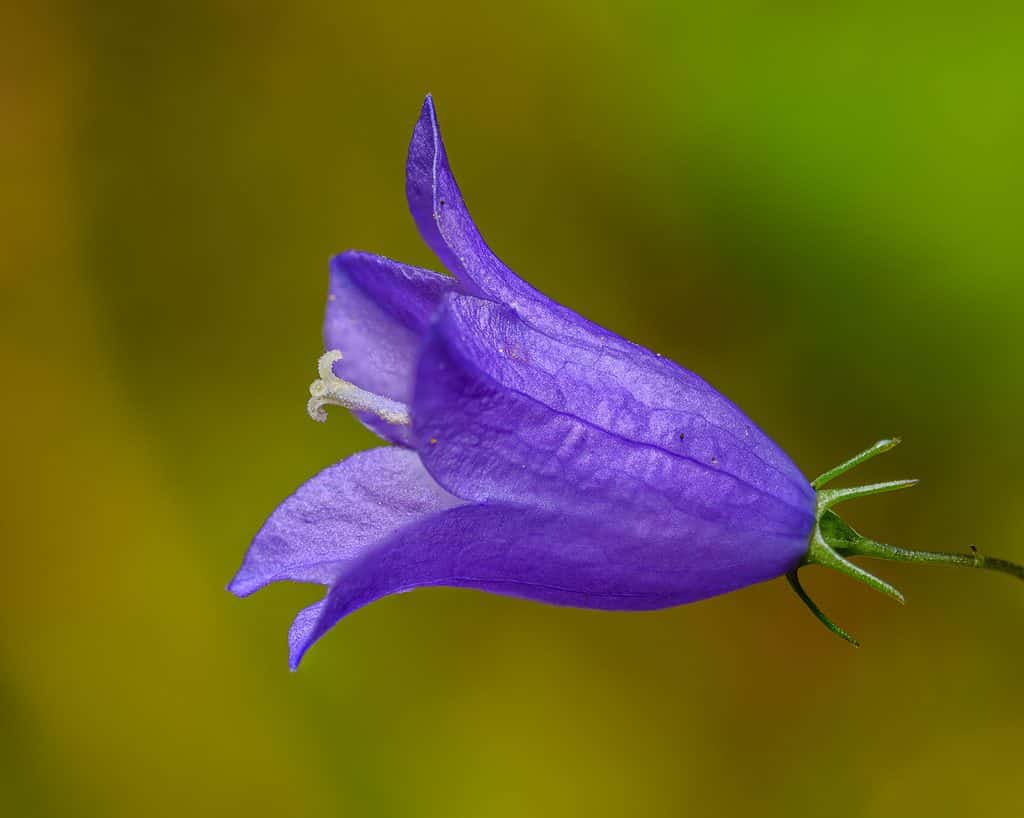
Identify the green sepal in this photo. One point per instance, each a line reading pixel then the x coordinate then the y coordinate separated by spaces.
pixel 832 540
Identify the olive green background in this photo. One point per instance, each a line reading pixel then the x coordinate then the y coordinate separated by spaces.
pixel 818 210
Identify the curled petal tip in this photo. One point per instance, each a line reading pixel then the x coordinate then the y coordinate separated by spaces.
pixel 305 630
pixel 295 658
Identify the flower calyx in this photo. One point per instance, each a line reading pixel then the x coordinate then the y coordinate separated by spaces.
pixel 833 541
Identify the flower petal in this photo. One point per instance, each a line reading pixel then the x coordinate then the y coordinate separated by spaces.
pixel 337 516
pixel 504 413
pixel 444 222
pixel 377 309
pixel 553 557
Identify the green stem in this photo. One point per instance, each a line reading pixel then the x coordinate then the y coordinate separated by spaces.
pixel 869 548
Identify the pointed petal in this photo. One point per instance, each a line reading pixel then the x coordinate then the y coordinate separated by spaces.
pixel 377 309
pixel 444 222
pixel 552 557
pixel 502 413
pixel 338 515
pixel 300 634
pixel 446 226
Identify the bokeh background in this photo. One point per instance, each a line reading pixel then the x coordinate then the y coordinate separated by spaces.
pixel 818 209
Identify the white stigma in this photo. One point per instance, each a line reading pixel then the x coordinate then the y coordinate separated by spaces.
pixel 330 390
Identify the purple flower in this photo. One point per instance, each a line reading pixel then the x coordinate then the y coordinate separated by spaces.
pixel 537 454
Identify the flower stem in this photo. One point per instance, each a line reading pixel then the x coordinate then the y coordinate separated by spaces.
pixel 869 548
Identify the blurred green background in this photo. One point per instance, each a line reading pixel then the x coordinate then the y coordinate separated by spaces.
pixel 817 209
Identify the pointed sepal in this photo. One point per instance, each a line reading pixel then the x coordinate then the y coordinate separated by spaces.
pixel 833 541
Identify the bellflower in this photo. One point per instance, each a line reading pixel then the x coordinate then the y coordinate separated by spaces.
pixel 535 453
